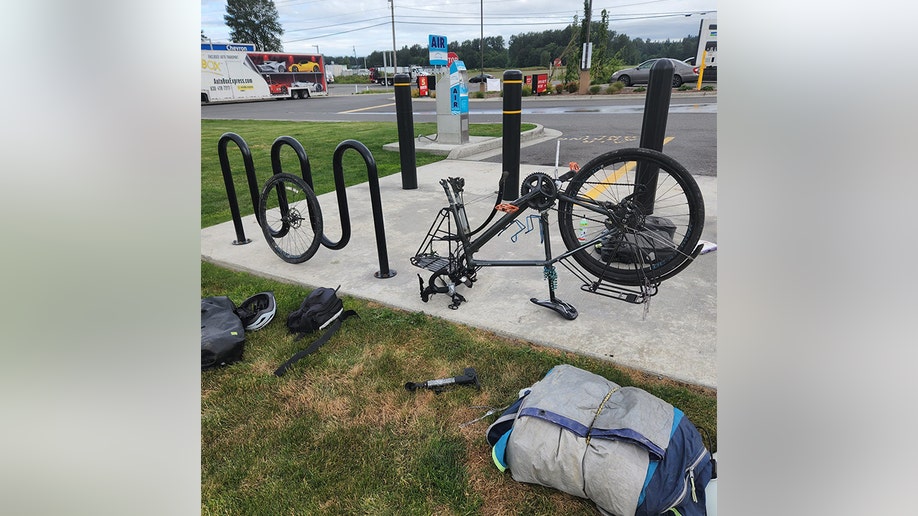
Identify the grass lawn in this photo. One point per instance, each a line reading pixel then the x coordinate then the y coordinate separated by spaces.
pixel 339 433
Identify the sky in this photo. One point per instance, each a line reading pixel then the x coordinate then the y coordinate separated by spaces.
pixel 359 27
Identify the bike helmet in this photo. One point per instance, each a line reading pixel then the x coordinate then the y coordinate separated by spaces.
pixel 257 311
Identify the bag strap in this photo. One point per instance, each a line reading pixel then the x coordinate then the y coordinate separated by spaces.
pixel 315 345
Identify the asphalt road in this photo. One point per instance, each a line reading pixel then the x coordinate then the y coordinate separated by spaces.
pixel 589 125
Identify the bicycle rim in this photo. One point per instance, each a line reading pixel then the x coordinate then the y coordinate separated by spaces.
pixel 290 218
pixel 632 231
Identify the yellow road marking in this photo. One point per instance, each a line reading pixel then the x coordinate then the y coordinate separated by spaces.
pixel 366 108
pixel 616 175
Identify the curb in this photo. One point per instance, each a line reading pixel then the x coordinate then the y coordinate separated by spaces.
pixel 476 145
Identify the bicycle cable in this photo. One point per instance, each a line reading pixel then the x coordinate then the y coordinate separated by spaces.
pixel 500 194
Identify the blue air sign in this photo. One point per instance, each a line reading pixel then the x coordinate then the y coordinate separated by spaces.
pixel 437 46
pixel 458 89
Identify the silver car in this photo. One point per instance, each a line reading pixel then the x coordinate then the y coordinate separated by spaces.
pixel 273 67
pixel 640 74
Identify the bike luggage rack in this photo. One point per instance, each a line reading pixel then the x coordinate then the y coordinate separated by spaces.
pixel 601 287
pixel 427 257
pixel 306 173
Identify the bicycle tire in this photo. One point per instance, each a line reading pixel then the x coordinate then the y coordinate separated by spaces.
pixel 295 233
pixel 636 246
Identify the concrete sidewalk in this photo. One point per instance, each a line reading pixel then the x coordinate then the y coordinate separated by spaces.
pixel 676 339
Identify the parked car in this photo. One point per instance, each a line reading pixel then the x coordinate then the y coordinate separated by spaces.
pixel 307 66
pixel 272 67
pixel 710 72
pixel 482 77
pixel 640 74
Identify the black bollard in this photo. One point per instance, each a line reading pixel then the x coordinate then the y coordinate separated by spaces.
pixel 513 114
pixel 405 119
pixel 653 127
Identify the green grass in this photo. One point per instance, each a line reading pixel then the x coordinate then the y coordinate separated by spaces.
pixel 339 433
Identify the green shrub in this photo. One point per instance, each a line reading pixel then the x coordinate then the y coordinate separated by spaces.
pixel 707 87
pixel 594 89
pixel 527 91
pixel 559 88
pixel 640 89
pixel 572 87
pixel 352 79
pixel 615 87
pixel 478 94
pixel 684 87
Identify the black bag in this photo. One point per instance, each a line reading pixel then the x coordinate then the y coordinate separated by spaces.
pixel 321 309
pixel 653 244
pixel 222 332
pixel 317 311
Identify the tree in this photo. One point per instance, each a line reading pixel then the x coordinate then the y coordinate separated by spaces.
pixel 254 21
pixel 573 52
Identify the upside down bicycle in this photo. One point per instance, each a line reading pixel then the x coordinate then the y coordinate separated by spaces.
pixel 629 219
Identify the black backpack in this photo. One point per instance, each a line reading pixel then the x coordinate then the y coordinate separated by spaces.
pixel 654 244
pixel 321 309
pixel 222 332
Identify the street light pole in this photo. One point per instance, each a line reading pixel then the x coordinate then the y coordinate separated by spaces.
pixel 317 49
pixel 392 7
pixel 481 39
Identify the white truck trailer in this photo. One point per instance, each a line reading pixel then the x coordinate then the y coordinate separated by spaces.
pixel 233 73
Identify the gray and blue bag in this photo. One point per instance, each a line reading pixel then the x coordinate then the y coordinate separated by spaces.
pixel 621 447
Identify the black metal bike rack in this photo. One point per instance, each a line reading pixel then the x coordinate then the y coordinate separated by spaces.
pixel 228 181
pixel 306 173
pixel 375 200
pixel 277 168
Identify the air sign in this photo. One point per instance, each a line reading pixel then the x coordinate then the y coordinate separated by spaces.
pixel 437 46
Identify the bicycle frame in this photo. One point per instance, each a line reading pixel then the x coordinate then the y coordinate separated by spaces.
pixel 460 265
pixel 472 246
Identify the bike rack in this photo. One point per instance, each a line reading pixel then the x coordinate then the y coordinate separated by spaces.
pixel 228 181
pixel 375 200
pixel 306 173
pixel 305 169
pixel 277 168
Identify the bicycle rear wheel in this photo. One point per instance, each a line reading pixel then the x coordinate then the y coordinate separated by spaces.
pixel 634 214
pixel 290 218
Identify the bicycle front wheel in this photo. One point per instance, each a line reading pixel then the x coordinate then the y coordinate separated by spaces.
pixel 290 218
pixel 633 215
